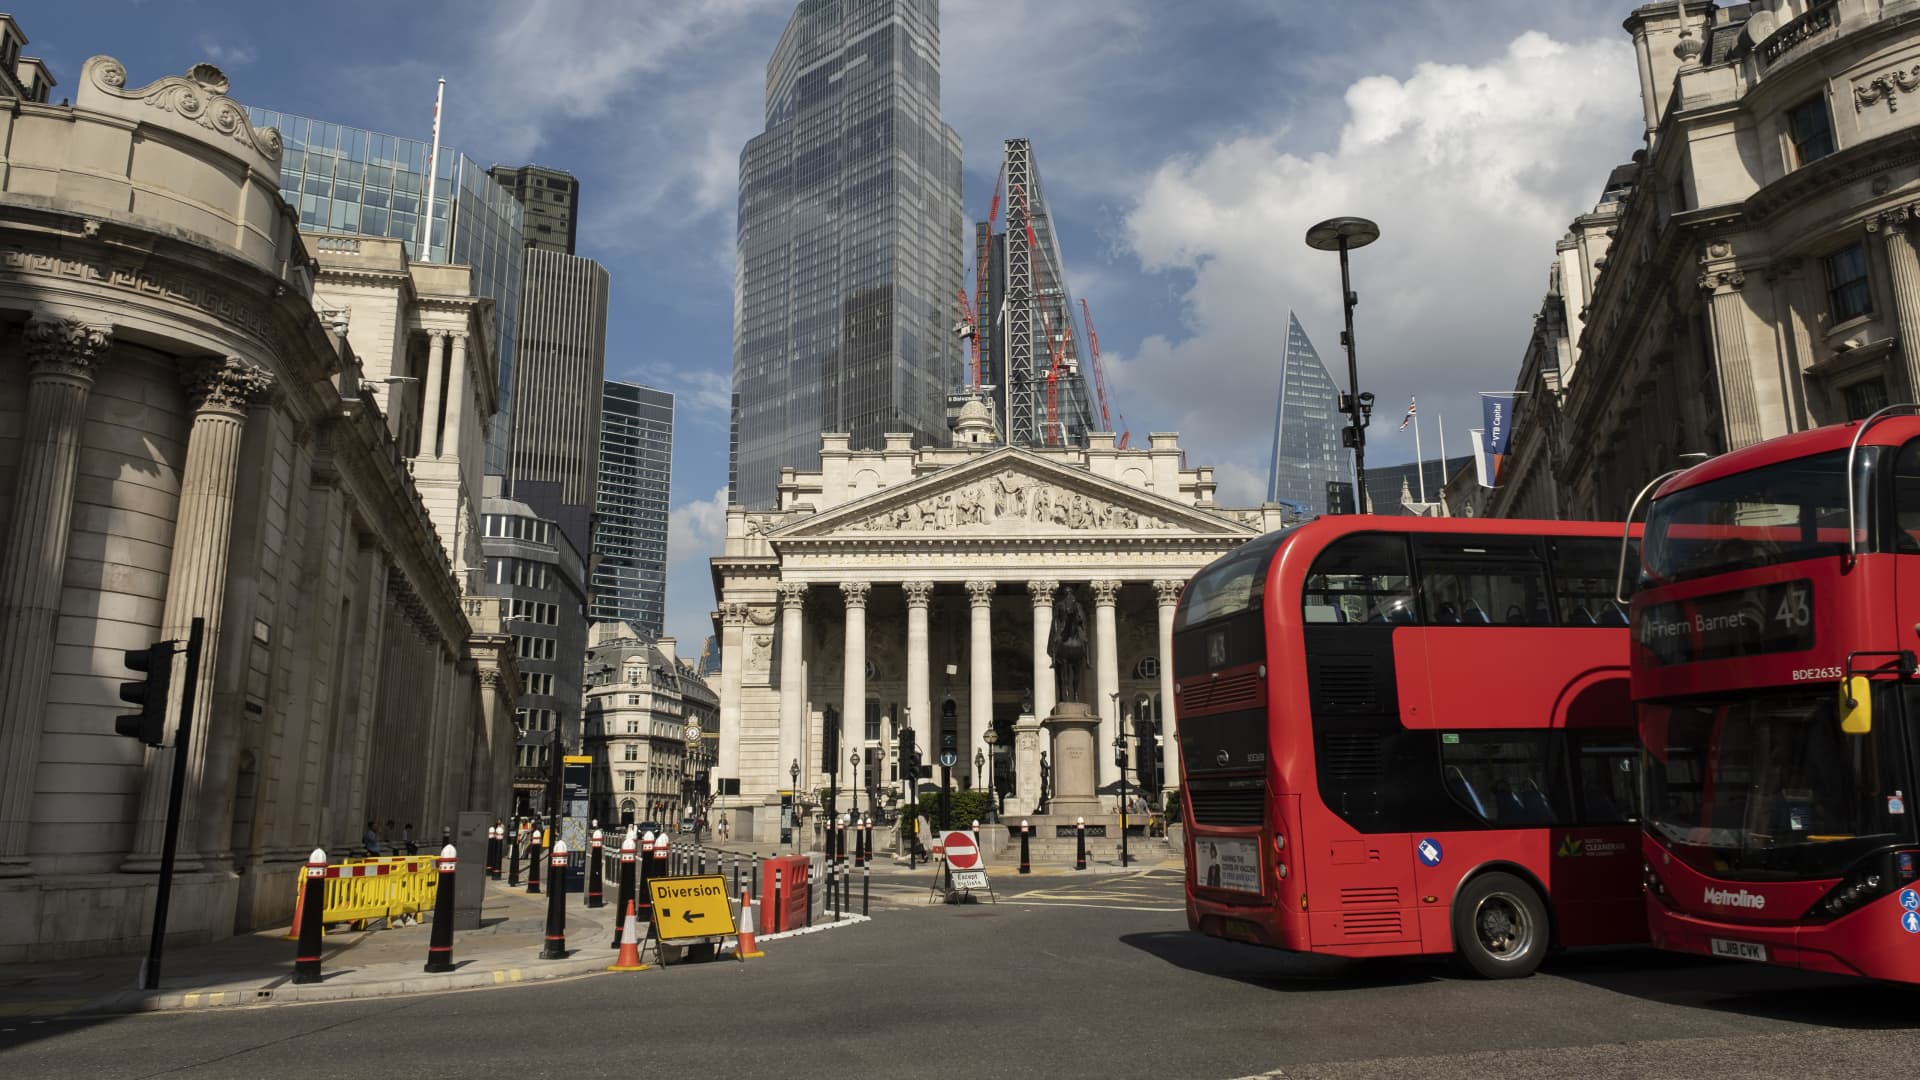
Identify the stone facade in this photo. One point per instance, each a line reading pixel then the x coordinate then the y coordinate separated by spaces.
pixel 182 437
pixel 899 586
pixel 1754 272
pixel 648 715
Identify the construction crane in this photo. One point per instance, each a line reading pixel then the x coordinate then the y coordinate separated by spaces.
pixel 1100 376
pixel 969 331
pixel 969 325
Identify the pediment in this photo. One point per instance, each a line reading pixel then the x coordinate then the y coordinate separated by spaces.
pixel 1010 493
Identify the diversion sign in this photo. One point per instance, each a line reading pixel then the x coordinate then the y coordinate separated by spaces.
pixel 1721 626
pixel 690 908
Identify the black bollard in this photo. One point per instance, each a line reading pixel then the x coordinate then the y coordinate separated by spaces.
pixel 643 862
pixel 556 947
pixel 626 886
pixel 513 860
pixel 806 882
pixel 440 949
pixel 753 868
pixel 493 848
pixel 1026 865
pixel 866 887
pixel 859 844
pixel 313 907
pixel 779 910
pixel 596 850
pixel 1080 843
pixel 533 865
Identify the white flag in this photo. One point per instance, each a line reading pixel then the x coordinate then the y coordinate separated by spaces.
pixel 1479 457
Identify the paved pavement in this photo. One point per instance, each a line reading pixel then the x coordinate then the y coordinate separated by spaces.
pixel 1063 978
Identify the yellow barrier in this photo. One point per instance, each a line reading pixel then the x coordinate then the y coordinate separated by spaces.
pixel 408 887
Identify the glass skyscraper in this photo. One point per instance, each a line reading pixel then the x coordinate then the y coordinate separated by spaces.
pixel 1307 454
pixel 357 182
pixel 630 524
pixel 849 241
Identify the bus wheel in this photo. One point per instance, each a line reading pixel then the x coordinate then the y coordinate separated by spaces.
pixel 1500 927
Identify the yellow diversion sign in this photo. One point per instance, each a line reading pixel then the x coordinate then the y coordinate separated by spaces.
pixel 690 907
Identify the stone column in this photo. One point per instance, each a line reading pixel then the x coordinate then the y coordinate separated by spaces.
pixel 220 390
pixel 62 355
pixel 1106 675
pixel 430 396
pixel 919 691
pixel 459 401
pixel 979 675
pixel 733 621
pixel 1738 405
pixel 1903 262
pixel 793 689
pixel 1167 591
pixel 853 677
pixel 1041 592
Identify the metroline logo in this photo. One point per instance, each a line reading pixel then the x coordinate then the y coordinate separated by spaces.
pixel 1743 898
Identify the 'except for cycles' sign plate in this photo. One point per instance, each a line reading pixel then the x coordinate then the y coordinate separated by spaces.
pixel 690 907
pixel 962 852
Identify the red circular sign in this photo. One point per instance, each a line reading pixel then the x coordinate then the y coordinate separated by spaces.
pixel 962 853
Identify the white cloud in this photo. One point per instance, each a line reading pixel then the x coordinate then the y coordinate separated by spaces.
pixel 232 55
pixel 1472 172
pixel 696 531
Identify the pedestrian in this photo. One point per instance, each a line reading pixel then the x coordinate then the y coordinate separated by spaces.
pixel 370 840
pixel 723 828
pixel 406 838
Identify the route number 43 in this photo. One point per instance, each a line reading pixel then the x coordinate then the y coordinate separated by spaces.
pixel 1795 609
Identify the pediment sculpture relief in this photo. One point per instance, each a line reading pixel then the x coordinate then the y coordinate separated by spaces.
pixel 1003 499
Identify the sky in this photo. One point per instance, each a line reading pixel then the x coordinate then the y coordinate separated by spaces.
pixel 1186 148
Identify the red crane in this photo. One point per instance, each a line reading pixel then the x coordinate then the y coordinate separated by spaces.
pixel 969 329
pixel 1100 377
pixel 970 323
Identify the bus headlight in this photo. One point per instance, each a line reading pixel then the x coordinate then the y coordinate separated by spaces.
pixel 1861 886
pixel 1283 871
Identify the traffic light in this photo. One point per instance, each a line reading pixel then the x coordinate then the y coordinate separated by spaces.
pixel 1147 763
pixel 149 725
pixel 909 758
pixel 949 727
pixel 830 741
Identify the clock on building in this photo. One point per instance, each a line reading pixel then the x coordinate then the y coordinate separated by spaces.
pixel 693 733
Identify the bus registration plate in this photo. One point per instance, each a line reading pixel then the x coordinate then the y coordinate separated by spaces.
pixel 1739 950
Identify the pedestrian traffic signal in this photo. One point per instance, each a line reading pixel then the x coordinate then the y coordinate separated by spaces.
pixel 830 741
pixel 909 756
pixel 149 725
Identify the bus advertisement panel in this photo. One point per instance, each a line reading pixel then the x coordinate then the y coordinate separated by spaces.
pixel 1410 735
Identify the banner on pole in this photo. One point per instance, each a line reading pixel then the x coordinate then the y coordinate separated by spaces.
pixel 1496 410
pixel 1479 456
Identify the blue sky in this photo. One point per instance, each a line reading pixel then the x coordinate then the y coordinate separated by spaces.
pixel 1186 147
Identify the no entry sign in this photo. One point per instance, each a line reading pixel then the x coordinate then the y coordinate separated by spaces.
pixel 962 853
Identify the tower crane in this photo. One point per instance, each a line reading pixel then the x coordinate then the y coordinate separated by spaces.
pixel 1100 376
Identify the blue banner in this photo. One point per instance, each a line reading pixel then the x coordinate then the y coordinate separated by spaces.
pixel 1496 410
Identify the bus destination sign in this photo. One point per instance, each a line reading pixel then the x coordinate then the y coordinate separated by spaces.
pixel 1721 626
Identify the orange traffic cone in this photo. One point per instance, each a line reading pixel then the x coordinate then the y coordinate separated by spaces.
pixel 629 958
pixel 746 949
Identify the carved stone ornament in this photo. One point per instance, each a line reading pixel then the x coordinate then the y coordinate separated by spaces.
pixel 919 593
pixel 856 592
pixel 1729 279
pixel 793 593
pixel 1884 87
pixel 489 677
pixel 980 593
pixel 1168 591
pixel 199 96
pixel 1042 592
pixel 227 383
pixel 1003 499
pixel 733 614
pixel 1105 592
pixel 66 348
pixel 1719 249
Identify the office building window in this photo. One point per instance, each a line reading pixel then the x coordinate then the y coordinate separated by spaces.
pixel 1811 130
pixel 1849 294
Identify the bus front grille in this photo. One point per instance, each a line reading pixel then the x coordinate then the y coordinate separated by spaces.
pixel 1369 896
pixel 1228 806
pixel 1371 923
pixel 1233 692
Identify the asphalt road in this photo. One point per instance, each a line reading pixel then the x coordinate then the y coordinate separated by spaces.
pixel 1064 977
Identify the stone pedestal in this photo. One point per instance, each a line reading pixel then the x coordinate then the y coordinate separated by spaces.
pixel 1027 733
pixel 1075 734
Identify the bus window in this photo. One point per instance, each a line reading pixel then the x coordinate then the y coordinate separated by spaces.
pixel 1606 776
pixel 1502 777
pixel 1482 582
pixel 1584 573
pixel 1906 500
pixel 1363 578
pixel 1231 586
pixel 1777 513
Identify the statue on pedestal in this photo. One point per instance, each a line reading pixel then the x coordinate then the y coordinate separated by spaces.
pixel 1067 644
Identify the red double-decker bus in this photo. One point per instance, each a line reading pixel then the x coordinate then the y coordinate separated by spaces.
pixel 1773 632
pixel 1411 735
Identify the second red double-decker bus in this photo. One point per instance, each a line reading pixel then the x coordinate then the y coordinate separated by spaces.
pixel 1409 735
pixel 1773 633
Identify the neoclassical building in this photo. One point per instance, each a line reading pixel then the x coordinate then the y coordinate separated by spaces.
pixel 183 436
pixel 916 586
pixel 647 719
pixel 1754 270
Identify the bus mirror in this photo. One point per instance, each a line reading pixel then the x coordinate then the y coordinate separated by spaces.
pixel 1856 705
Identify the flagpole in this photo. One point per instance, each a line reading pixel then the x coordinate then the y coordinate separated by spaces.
pixel 424 250
pixel 1419 459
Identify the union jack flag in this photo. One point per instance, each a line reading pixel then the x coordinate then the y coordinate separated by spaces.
pixel 1412 405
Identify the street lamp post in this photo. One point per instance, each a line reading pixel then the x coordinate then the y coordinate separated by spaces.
pixel 793 795
pixel 1343 234
pixel 980 766
pixel 994 795
pixel 1120 759
pixel 853 786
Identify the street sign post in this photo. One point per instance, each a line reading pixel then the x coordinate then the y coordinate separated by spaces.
pixel 948 758
pixel 962 853
pixel 963 867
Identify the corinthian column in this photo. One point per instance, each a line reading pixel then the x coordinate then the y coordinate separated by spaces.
pixel 430 404
pixel 1904 264
pixel 62 355
pixel 1168 593
pixel 919 701
pixel 1041 592
pixel 793 690
pixel 1738 405
pixel 219 390
pixel 979 670
pixel 853 679
pixel 726 763
pixel 1106 673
